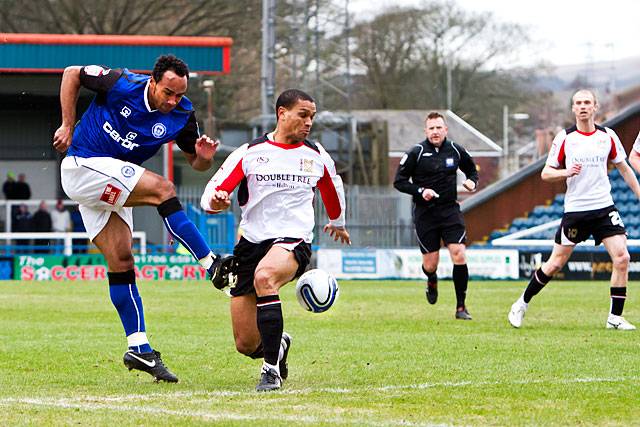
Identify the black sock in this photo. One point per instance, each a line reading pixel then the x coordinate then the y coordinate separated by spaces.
pixel 270 325
pixel 460 281
pixel 537 282
pixel 618 296
pixel 431 277
pixel 258 353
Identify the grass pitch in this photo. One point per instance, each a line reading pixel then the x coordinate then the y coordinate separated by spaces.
pixel 381 356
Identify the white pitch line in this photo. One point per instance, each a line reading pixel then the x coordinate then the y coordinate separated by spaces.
pixel 333 390
pixel 97 403
pixel 209 416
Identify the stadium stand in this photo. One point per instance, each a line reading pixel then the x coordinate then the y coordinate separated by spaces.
pixel 624 200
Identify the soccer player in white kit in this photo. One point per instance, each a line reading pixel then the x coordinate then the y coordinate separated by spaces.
pixel 276 175
pixel 580 156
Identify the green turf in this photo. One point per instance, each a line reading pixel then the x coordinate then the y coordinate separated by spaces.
pixel 381 356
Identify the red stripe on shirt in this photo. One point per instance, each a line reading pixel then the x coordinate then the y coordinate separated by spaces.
pixel 561 155
pixel 329 195
pixel 613 153
pixel 232 181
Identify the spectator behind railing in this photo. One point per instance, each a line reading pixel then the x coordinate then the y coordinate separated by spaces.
pixel 61 220
pixel 41 221
pixel 16 190
pixel 9 186
pixel 21 223
pixel 22 189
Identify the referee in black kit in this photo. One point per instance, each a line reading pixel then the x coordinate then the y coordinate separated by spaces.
pixel 428 173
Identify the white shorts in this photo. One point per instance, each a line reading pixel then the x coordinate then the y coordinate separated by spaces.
pixel 100 185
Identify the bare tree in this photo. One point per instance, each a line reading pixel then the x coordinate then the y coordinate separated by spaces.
pixel 236 94
pixel 411 57
pixel 167 17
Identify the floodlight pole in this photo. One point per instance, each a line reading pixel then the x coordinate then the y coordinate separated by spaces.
pixel 268 71
pixel 449 88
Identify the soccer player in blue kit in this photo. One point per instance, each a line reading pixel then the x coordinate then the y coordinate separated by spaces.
pixel 130 118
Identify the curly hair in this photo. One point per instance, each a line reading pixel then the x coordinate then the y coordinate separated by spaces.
pixel 169 62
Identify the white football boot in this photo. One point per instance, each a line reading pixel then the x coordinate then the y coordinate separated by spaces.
pixel 619 322
pixel 517 312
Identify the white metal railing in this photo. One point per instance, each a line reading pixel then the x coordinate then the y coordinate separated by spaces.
pixel 67 238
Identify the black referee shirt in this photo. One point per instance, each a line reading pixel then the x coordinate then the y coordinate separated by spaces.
pixel 425 166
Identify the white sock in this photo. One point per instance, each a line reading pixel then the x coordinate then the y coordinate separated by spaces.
pixel 207 261
pixel 265 365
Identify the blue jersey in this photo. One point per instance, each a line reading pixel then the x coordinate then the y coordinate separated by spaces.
pixel 120 124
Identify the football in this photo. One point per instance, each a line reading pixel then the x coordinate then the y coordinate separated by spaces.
pixel 317 290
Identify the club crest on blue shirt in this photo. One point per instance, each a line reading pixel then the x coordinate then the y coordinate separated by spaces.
pixel 158 130
pixel 125 112
pixel 128 171
pixel 449 162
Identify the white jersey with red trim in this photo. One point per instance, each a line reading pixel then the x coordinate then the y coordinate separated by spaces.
pixel 590 189
pixel 276 188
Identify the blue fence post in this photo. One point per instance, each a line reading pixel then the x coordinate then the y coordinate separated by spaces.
pixel 218 230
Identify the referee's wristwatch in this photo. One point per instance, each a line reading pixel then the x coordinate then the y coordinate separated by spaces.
pixel 421 190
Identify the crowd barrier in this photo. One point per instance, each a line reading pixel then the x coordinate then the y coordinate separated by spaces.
pixel 379 264
pixel 66 238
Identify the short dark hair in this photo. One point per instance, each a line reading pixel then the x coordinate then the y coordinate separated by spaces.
pixel 435 115
pixel 169 62
pixel 289 97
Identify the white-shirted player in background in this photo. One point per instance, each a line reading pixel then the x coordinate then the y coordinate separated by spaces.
pixel 580 155
pixel 277 175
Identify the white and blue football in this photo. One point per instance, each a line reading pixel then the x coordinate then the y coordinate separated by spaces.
pixel 317 290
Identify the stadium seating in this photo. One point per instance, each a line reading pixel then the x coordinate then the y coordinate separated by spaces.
pixel 623 197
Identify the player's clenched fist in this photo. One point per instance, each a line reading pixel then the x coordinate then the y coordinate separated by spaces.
pixel 62 138
pixel 220 201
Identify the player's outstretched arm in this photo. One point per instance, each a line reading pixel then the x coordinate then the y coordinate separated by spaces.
pixel 337 233
pixel 629 177
pixel 69 90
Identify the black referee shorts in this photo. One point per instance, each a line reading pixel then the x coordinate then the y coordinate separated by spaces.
pixel 438 223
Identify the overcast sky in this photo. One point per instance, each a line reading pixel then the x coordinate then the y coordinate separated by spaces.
pixel 564 31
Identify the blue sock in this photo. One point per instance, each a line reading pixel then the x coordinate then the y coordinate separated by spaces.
pixel 182 229
pixel 125 297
